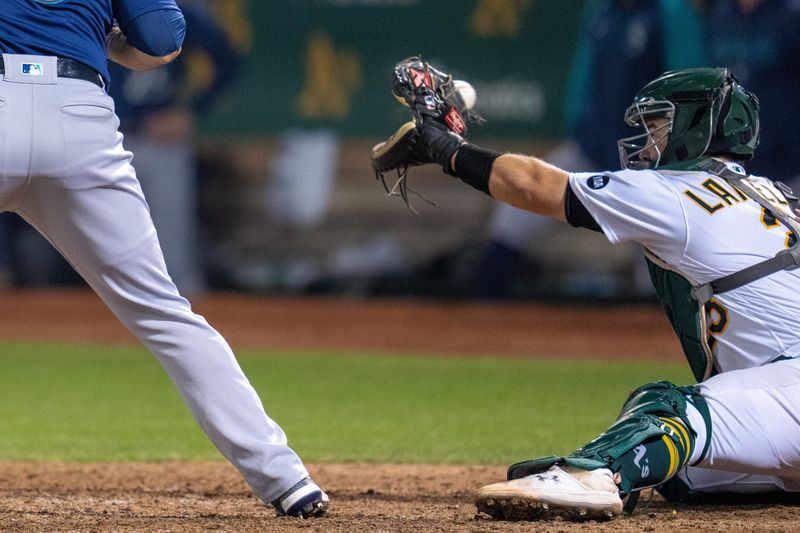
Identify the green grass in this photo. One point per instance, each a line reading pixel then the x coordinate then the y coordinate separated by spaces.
pixel 115 404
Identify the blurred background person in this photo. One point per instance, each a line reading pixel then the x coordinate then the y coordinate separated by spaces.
pixel 158 111
pixel 27 259
pixel 621 45
pixel 759 40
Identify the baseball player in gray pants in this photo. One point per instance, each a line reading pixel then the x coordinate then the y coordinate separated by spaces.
pixel 65 171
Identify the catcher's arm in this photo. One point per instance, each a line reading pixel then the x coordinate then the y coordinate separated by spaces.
pixel 435 136
pixel 525 182
pixel 530 184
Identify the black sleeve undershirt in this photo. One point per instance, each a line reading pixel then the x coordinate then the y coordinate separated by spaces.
pixel 577 214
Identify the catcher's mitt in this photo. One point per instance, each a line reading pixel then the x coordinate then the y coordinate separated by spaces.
pixel 440 118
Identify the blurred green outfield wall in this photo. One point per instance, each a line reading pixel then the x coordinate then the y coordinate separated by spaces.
pixel 329 62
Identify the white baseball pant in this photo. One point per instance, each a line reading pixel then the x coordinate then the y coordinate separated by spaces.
pixel 63 169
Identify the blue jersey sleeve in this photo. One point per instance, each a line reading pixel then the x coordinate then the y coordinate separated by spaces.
pixel 156 27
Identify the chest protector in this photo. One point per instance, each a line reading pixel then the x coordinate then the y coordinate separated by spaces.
pixel 685 302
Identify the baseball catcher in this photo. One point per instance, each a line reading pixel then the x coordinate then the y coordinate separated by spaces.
pixel 722 250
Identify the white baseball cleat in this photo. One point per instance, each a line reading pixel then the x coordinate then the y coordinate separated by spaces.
pixel 560 491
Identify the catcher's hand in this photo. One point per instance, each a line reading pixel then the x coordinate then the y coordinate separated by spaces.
pixel 440 117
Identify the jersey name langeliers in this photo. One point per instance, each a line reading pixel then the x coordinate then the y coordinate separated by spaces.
pixel 704 228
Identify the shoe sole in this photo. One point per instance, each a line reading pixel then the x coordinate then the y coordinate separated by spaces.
pixel 515 508
pixel 316 510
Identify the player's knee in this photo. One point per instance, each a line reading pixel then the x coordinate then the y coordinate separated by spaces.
pixel 666 409
pixel 660 398
pixel 651 412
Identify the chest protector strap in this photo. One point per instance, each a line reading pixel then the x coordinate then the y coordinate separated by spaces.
pixel 783 260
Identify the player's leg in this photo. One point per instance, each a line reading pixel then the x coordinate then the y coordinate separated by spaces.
pixel 754 416
pixel 167 174
pixel 302 177
pixel 661 429
pixel 754 435
pixel 96 216
pixel 701 485
pixel 510 234
pixel 742 421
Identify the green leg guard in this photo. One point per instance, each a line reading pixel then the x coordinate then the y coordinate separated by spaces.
pixel 652 427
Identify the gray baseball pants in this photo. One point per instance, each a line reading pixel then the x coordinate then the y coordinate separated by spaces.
pixel 64 170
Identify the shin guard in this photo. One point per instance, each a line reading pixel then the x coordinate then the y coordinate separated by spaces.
pixel 650 441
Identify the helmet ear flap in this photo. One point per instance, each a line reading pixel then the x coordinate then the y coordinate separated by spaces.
pixel 737 130
pixel 724 110
pixel 719 141
pixel 695 131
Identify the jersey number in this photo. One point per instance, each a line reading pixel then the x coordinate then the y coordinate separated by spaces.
pixel 770 221
pixel 716 322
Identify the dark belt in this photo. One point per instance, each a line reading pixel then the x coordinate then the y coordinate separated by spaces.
pixel 69 68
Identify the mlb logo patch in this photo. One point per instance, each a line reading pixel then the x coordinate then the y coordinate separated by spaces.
pixel 32 69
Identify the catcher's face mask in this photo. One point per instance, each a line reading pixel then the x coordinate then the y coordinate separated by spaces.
pixel 709 114
pixel 644 150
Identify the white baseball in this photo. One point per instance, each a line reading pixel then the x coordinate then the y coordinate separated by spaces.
pixel 467 93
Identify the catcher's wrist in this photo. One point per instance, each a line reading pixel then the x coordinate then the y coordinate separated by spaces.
pixel 473 165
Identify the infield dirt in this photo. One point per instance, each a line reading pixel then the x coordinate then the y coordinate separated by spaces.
pixel 211 496
pixel 195 497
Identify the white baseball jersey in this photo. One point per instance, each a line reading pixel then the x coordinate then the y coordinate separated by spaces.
pixel 705 229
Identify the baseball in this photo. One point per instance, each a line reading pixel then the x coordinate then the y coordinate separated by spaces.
pixel 467 92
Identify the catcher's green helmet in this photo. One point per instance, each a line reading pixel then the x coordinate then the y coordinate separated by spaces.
pixel 708 113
